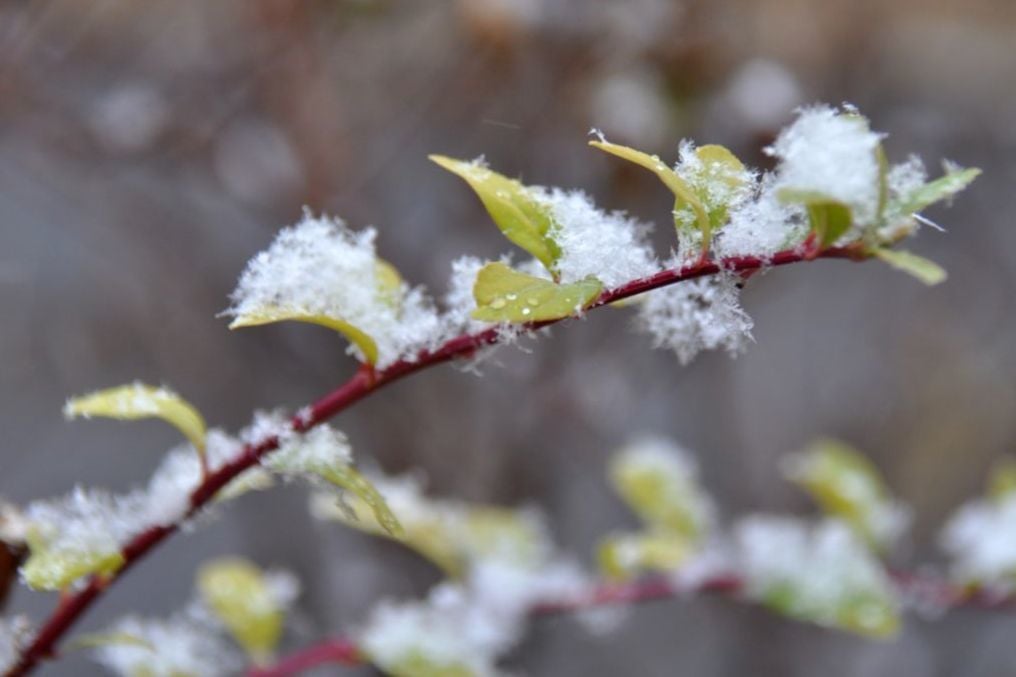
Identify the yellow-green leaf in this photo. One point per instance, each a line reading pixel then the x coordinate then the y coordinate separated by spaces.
pixel 348 478
pixel 137 401
pixel 506 295
pixel 523 218
pixel 1002 484
pixel 238 594
pixel 684 196
pixel 662 492
pixel 928 272
pixel 420 664
pixel 941 188
pixel 829 218
pixel 846 485
pixel 624 556
pixel 55 569
pixel 99 639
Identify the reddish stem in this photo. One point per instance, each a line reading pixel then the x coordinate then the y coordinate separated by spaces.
pixel 919 588
pixel 363 382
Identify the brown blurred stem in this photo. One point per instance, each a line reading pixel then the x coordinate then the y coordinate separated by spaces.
pixel 364 382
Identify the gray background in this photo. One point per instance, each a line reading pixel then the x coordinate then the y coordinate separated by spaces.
pixel 147 149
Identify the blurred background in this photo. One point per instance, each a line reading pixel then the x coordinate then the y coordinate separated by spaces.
pixel 148 149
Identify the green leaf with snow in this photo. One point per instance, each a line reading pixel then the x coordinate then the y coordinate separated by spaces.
pixel 505 295
pixel 518 212
pixel 846 485
pixel 388 289
pixel 942 188
pixel 50 568
pixel 867 613
pixel 685 198
pixel 139 401
pixel 238 594
pixel 928 272
pixel 624 556
pixel 829 219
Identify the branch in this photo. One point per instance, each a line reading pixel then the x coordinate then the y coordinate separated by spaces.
pixel 364 382
pixel 916 588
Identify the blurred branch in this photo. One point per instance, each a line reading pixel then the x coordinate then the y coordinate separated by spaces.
pixel 364 382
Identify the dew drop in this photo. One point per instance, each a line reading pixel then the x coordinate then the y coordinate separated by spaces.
pixel 511 297
pixel 526 311
pixel 533 301
pixel 498 303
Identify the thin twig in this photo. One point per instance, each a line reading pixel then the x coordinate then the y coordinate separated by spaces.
pixel 920 590
pixel 364 382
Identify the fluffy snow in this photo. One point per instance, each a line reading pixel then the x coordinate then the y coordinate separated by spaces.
pixel 761 226
pixel 981 542
pixel 321 267
pixel 315 451
pixel 833 153
pixel 696 315
pixel 608 246
pixel 13 633
pixel 180 646
pixel 824 563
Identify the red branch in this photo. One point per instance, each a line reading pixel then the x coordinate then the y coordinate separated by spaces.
pixel 917 589
pixel 365 381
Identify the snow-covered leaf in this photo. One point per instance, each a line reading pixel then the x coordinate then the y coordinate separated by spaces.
pixel 388 284
pixel 942 188
pixel 829 218
pixel 623 556
pixel 822 573
pixel 848 486
pixel 325 453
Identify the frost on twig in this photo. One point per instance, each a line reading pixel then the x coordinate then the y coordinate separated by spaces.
pixel 702 314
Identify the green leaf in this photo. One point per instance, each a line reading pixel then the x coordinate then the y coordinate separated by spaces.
pixel 684 196
pixel 388 284
pixel 845 484
pixel 829 219
pixel 56 569
pixel 662 493
pixel 96 640
pixel 523 218
pixel 1002 483
pixel 928 272
pixel 238 594
pixel 348 478
pixel 721 166
pixel 941 188
pixel 138 401
pixel 506 295
pixel 624 556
